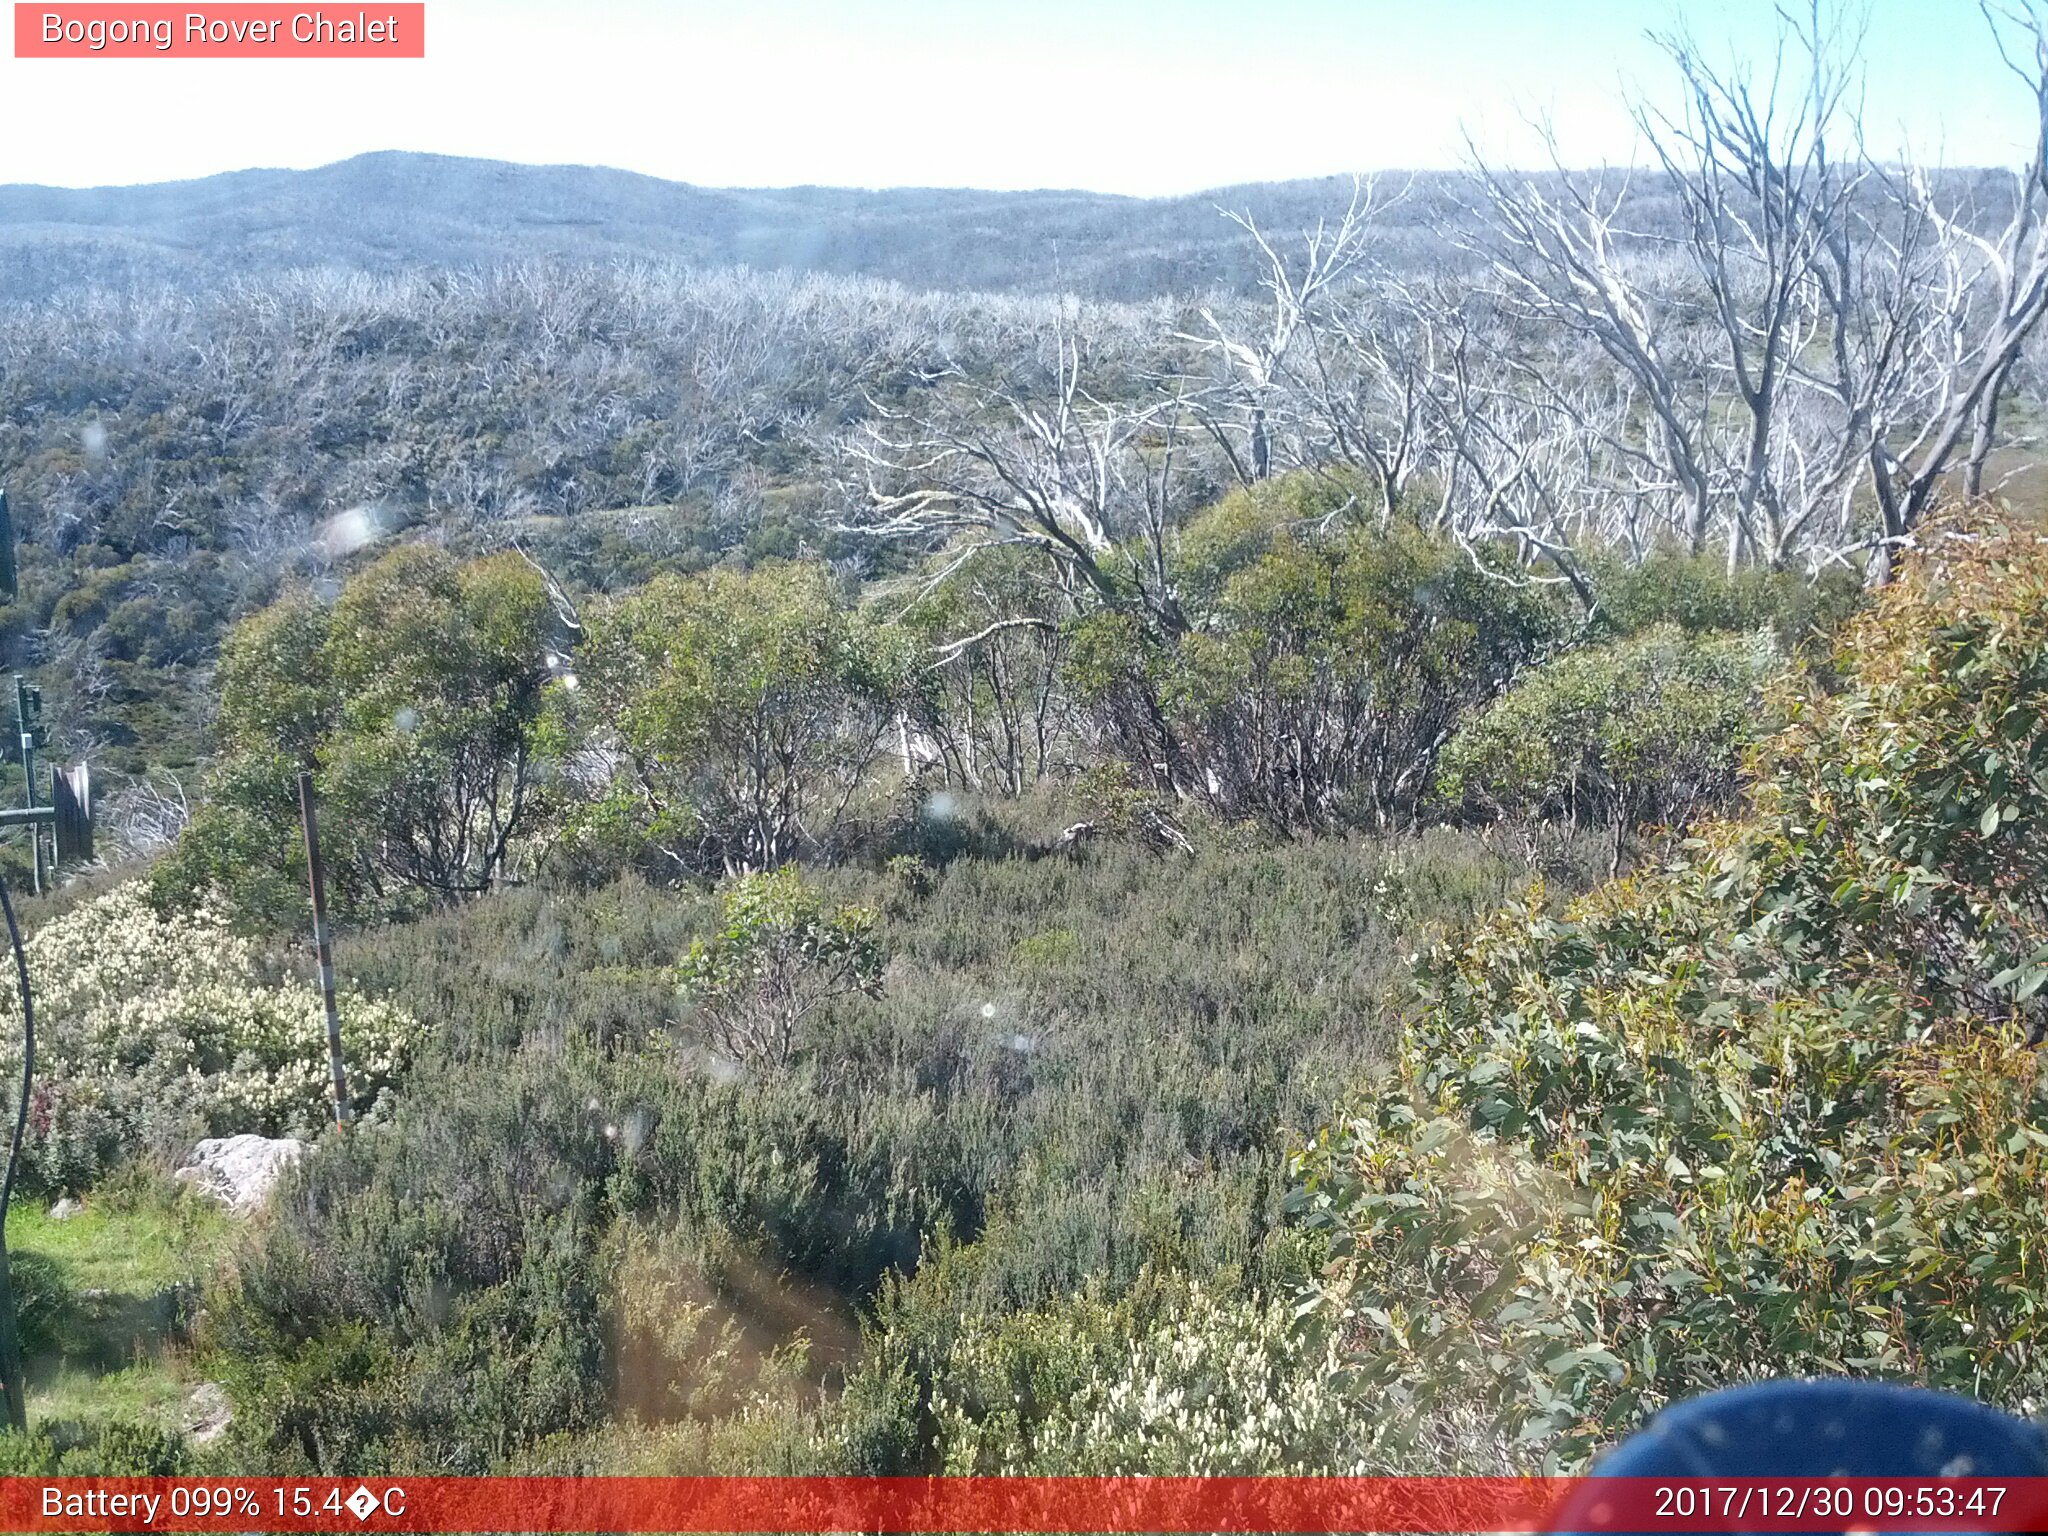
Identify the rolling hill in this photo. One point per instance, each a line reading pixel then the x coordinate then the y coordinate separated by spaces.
pixel 386 211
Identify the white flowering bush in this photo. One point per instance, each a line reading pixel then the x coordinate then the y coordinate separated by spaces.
pixel 1213 1385
pixel 153 1031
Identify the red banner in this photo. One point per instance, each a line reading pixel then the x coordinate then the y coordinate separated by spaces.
pixel 224 31
pixel 989 1504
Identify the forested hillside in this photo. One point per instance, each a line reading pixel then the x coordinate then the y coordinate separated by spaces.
pixel 1383 865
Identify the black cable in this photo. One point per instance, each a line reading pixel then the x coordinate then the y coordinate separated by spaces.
pixel 12 1387
pixel 28 1055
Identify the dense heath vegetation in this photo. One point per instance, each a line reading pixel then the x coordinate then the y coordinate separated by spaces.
pixel 1383 873
pixel 975 1140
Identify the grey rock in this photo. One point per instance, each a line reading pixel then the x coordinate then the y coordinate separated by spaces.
pixel 207 1412
pixel 240 1171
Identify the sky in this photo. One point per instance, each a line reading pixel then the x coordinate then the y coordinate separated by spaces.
pixel 1134 96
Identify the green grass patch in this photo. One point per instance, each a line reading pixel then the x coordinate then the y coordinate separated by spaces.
pixel 150 1392
pixel 124 1245
pixel 105 1297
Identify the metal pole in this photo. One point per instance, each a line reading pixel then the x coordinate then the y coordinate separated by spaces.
pixel 318 885
pixel 26 705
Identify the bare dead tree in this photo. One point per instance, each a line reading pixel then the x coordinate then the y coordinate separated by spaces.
pixel 1830 337
pixel 1997 290
pixel 1255 363
pixel 147 816
pixel 1087 481
pixel 1515 457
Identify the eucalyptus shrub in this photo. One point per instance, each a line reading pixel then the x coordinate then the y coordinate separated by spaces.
pixel 726 721
pixel 1909 813
pixel 780 955
pixel 1322 667
pixel 1649 729
pixel 1700 595
pixel 1753 1113
pixel 416 699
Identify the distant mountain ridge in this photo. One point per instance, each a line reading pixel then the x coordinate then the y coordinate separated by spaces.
pixel 393 210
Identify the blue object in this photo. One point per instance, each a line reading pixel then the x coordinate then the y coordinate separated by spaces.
pixel 1839 1428
pixel 1834 1428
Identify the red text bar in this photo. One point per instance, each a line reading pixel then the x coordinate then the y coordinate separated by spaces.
pixel 1028 1504
pixel 226 31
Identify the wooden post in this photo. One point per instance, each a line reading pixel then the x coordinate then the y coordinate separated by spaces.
pixel 318 885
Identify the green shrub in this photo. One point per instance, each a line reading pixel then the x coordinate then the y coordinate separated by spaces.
pixel 1700 595
pixel 991 705
pixel 1043 1113
pixel 426 1295
pixel 416 700
pixel 779 957
pixel 95 1448
pixel 1315 686
pixel 475 1254
pixel 740 712
pixel 1910 811
pixel 1239 530
pixel 1648 729
pixel 41 1302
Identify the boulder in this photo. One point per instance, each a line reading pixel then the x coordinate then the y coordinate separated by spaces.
pixel 239 1171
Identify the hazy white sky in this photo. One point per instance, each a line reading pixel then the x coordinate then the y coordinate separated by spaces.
pixel 1143 96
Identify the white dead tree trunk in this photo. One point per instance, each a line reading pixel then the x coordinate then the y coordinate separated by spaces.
pixel 1556 258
